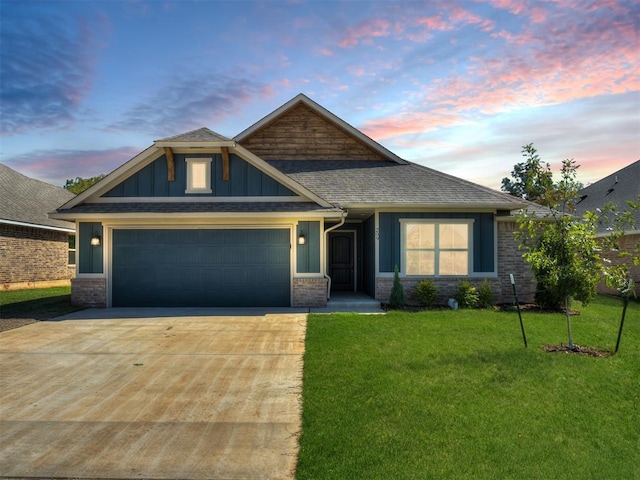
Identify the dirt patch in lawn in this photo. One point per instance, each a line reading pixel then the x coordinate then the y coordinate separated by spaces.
pixel 576 350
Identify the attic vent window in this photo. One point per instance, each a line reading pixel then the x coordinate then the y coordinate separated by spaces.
pixel 198 175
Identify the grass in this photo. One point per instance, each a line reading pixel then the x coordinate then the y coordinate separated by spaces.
pixel 37 303
pixel 455 395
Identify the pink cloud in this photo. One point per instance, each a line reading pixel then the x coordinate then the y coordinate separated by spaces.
pixel 365 32
pixel 391 126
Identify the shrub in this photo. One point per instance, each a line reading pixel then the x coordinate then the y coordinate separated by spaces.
pixel 426 292
pixel 396 299
pixel 485 295
pixel 466 294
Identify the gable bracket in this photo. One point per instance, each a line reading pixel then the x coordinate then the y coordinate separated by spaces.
pixel 225 163
pixel 171 166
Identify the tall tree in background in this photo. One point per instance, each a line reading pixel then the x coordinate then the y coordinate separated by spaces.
pixel 78 185
pixel 531 179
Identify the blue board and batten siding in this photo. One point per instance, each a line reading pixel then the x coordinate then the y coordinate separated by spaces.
pixel 245 180
pixel 90 256
pixel 201 268
pixel 308 255
pixel 483 238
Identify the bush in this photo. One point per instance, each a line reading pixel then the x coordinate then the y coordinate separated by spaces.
pixel 466 294
pixel 485 295
pixel 396 299
pixel 426 292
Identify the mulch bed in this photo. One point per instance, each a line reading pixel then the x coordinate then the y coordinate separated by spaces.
pixel 576 350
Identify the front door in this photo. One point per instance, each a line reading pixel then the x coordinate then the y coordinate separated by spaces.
pixel 341 261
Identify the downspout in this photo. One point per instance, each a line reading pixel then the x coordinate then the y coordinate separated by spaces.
pixel 326 244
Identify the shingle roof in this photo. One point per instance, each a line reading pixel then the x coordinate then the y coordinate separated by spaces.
pixel 618 187
pixel 200 135
pixel 27 200
pixel 353 183
pixel 199 207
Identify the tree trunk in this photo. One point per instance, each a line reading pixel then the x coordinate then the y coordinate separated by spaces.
pixel 568 312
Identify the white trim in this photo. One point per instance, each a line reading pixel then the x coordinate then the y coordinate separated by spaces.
pixel 327 115
pixel 437 221
pixel 192 215
pixel 256 199
pixel 190 166
pixel 34 225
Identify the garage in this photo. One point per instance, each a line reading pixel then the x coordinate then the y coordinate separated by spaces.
pixel 201 267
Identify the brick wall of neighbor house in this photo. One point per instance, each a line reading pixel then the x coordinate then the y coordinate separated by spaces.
pixel 509 261
pixel 303 135
pixel 89 292
pixel 33 257
pixel 627 244
pixel 309 292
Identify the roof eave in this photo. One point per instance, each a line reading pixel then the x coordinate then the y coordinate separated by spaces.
pixel 195 144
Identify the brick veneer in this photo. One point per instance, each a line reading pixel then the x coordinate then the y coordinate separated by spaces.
pixel 509 261
pixel 33 257
pixel 89 292
pixel 309 292
pixel 628 243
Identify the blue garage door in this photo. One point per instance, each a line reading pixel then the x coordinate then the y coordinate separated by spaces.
pixel 201 268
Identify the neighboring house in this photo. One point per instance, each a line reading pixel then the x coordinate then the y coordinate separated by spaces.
pixel 618 188
pixel 294 208
pixel 35 250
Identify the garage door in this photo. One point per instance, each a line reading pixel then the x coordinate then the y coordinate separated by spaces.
pixel 201 268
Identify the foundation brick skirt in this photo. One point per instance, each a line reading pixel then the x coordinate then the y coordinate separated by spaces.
pixel 89 292
pixel 309 292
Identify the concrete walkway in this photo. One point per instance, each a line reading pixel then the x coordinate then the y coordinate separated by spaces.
pixel 146 396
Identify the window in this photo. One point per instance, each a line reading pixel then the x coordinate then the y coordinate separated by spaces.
pixel 436 248
pixel 72 250
pixel 198 175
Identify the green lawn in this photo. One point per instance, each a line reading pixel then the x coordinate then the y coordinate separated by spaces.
pixel 455 395
pixel 37 303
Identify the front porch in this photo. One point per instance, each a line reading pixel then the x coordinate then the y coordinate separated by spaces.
pixel 356 302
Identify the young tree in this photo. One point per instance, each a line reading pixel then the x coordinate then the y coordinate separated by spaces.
pixel 563 252
pixel 78 185
pixel 531 178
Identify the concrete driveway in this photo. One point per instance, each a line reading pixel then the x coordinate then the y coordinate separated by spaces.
pixel 175 394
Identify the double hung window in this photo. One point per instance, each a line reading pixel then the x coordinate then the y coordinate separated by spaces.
pixel 436 247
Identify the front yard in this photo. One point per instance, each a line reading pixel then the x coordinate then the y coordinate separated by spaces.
pixel 453 395
pixel 21 307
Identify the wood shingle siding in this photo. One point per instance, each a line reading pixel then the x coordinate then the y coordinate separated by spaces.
pixel 302 134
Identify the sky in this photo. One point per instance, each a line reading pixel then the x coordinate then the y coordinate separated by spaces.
pixel 456 85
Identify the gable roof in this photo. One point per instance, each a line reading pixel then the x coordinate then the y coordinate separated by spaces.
pixel 353 184
pixel 618 187
pixel 27 201
pixel 200 138
pixel 327 116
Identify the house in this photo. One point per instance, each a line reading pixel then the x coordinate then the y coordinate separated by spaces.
pixel 298 206
pixel 618 188
pixel 35 250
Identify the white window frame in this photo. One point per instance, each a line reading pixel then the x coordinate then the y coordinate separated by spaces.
pixel 191 162
pixel 74 250
pixel 436 222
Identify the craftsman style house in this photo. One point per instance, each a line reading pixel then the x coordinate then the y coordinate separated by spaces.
pixel 297 206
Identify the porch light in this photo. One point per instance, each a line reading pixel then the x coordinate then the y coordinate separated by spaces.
pixel 95 240
pixel 301 239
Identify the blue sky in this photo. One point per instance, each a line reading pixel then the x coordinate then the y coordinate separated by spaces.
pixel 459 86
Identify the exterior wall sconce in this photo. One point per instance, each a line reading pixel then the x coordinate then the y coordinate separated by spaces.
pixel 95 240
pixel 301 239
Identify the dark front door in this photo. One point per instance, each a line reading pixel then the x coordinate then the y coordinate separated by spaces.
pixel 341 261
